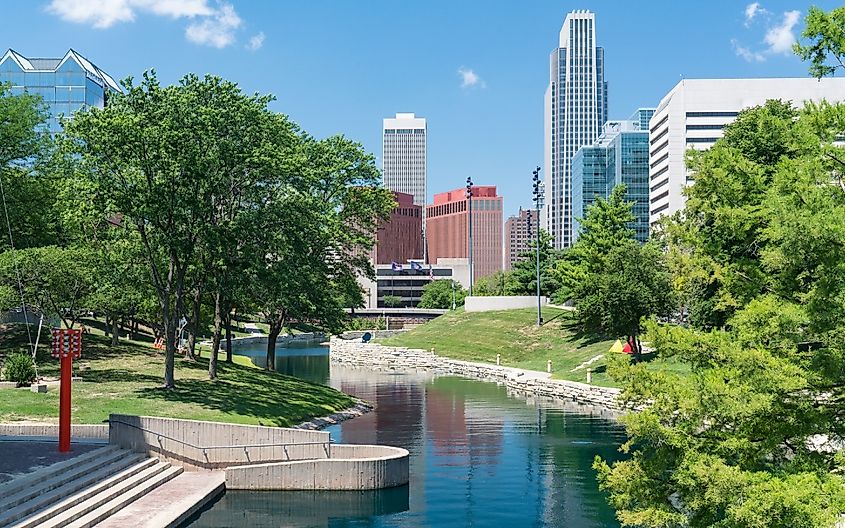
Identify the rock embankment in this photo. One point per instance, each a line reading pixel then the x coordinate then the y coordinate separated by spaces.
pixel 531 383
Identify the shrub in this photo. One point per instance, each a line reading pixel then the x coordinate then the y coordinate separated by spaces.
pixel 20 369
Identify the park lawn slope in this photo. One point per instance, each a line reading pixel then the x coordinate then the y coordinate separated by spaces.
pixel 479 336
pixel 127 378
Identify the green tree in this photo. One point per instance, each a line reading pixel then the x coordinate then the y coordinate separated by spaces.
pixel 605 226
pixel 751 436
pixel 497 283
pixel 523 278
pixel 28 194
pixel 163 156
pixel 826 47
pixel 439 294
pixel 392 301
pixel 633 285
pixel 55 281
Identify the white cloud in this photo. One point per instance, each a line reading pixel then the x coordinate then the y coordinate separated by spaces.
pixel 781 37
pixel 747 54
pixel 470 79
pixel 105 13
pixel 211 25
pixel 256 42
pixel 752 11
pixel 217 30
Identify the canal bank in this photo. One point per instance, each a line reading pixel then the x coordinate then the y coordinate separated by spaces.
pixel 480 455
pixel 532 383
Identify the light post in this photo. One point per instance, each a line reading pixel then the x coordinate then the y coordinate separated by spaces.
pixel 469 222
pixel 538 203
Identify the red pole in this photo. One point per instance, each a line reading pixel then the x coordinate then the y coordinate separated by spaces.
pixel 64 403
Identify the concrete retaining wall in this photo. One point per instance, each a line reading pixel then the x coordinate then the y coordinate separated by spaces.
pixel 352 467
pixel 77 431
pixel 280 341
pixel 374 355
pixel 376 334
pixel 490 304
pixel 215 445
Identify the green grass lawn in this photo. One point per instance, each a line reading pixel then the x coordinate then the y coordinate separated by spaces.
pixel 127 378
pixel 514 334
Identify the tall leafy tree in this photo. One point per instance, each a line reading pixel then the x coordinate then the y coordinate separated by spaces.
pixel 523 279
pixel 161 155
pixel 752 435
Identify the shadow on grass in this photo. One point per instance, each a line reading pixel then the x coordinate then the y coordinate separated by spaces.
pixel 118 376
pixel 578 332
pixel 273 399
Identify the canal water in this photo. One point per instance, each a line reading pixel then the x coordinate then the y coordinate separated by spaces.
pixel 479 456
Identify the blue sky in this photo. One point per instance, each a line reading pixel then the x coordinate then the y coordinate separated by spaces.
pixel 340 66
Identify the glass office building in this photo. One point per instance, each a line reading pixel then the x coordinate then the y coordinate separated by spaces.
pixel 65 84
pixel 619 155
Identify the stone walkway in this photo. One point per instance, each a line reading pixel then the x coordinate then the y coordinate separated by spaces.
pixel 19 457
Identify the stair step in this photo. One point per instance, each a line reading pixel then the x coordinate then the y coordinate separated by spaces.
pixel 59 515
pixel 131 494
pixel 17 484
pixel 58 478
pixel 44 506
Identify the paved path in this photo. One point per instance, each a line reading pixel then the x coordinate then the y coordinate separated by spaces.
pixel 21 457
pixel 171 503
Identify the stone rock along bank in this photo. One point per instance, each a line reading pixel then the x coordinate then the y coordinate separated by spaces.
pixel 531 383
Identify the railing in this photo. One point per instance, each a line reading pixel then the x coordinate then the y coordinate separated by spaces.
pixel 284 445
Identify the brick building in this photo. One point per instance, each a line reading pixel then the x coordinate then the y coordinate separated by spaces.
pixel 400 238
pixel 447 228
pixel 517 239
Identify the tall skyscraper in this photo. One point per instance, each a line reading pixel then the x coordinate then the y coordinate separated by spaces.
pixel 65 84
pixel 404 156
pixel 576 109
pixel 619 155
pixel 693 115
pixel 447 228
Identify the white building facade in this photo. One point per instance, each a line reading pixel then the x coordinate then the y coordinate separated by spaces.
pixel 404 152
pixel 575 111
pixel 693 115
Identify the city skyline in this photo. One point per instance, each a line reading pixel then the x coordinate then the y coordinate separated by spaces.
pixel 299 53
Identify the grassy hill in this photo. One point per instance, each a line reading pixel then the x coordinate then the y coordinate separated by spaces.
pixel 126 379
pixel 514 334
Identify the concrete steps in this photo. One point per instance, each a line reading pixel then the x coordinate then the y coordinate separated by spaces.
pixel 81 491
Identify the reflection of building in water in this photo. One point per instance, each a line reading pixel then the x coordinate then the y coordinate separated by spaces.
pixel 458 429
pixel 397 420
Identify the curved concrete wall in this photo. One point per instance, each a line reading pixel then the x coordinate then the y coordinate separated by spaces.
pixel 351 467
pixel 233 444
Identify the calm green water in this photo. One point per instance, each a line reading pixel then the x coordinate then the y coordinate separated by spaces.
pixel 479 457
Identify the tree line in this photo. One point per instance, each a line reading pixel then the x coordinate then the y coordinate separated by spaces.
pixel 187 203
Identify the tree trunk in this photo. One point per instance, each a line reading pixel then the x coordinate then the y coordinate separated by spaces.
pixel 229 336
pixel 190 350
pixel 106 326
pixel 169 349
pixel 115 327
pixel 215 343
pixel 271 346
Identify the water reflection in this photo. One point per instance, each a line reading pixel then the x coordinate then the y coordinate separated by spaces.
pixel 479 456
pixel 312 509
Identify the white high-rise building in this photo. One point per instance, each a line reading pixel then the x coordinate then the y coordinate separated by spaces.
pixel 693 114
pixel 404 156
pixel 576 110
